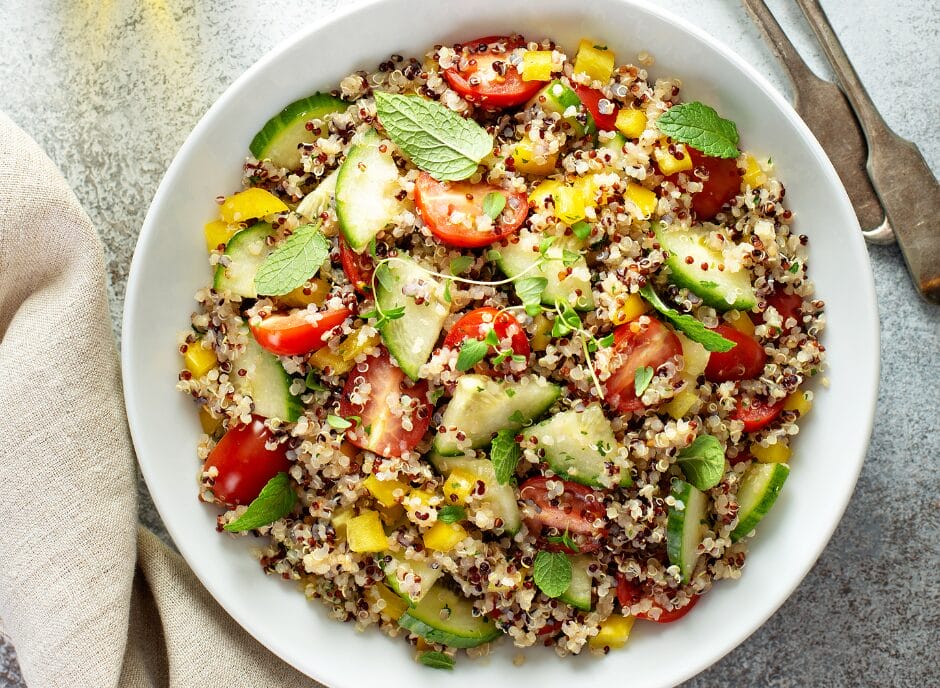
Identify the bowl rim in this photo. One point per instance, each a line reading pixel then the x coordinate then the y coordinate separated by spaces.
pixel 149 230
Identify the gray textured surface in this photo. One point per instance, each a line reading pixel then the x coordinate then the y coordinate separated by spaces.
pixel 111 89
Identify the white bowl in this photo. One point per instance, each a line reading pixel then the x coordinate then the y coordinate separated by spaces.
pixel 170 264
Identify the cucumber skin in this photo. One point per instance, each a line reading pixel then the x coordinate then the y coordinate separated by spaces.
pixel 293 406
pixel 566 99
pixel 775 481
pixel 311 107
pixel 435 635
pixel 675 527
pixel 221 280
pixel 478 630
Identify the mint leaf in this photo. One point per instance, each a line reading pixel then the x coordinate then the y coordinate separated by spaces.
pixel 581 229
pixel 699 126
pixel 275 501
pixel 641 379
pixel 702 462
pixel 472 352
pixel 691 328
pixel 517 417
pixel 451 514
pixel 552 572
pixel 436 139
pixel 493 204
pixel 529 290
pixel 567 321
pixel 460 264
pixel 337 422
pixel 292 263
pixel 505 453
pixel 437 660
pixel 313 384
pixel 606 341
pixel 565 540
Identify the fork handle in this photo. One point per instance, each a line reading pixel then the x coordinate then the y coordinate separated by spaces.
pixel 785 51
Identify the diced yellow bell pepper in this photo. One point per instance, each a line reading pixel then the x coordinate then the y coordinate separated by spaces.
pixel 444 536
pixel 536 65
pixel 365 533
pixel 681 403
pixel 324 358
pixel 250 204
pixel 210 424
pixel 526 162
pixel 394 607
pixel 340 519
pixel 384 490
pixel 754 176
pixel 218 233
pixel 343 359
pixel 544 190
pixel 798 402
pixel 541 335
pixel 613 633
pixel 392 517
pixel 594 60
pixel 417 499
pixel 570 204
pixel 631 123
pixel 198 359
pixel 644 199
pixel 300 298
pixel 694 357
pixel 775 453
pixel 633 307
pixel 459 486
pixel 668 163
pixel 740 321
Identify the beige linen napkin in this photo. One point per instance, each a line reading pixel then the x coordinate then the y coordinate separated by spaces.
pixel 88 597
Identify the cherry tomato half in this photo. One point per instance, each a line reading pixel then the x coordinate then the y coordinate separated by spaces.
pixel 481 83
pixel 629 593
pixel 244 464
pixel 787 305
pixel 757 413
pixel 478 322
pixel 639 345
pixel 743 362
pixel 723 183
pixel 380 428
pixel 357 266
pixel 574 512
pixel 591 99
pixel 299 332
pixel 439 201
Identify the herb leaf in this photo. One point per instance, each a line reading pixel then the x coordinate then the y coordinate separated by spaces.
pixel 472 352
pixel 702 462
pixel 451 513
pixel 436 139
pixel 313 383
pixel 275 501
pixel 567 321
pixel 581 229
pixel 552 572
pixel 641 379
pixel 505 453
pixel 529 290
pixel 699 126
pixel 337 422
pixel 565 540
pixel 493 204
pixel 460 264
pixel 436 660
pixel 691 328
pixel 292 263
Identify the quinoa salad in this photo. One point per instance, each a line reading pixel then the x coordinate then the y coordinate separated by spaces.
pixel 502 341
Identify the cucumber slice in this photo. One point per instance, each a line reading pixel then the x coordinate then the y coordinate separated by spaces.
pixel 757 493
pixel 366 189
pixel 266 382
pixel 410 338
pixel 500 498
pixel 246 251
pixel 684 528
pixel 443 616
pixel 482 406
pixel 720 289
pixel 280 138
pixel 578 445
pixel 615 147
pixel 557 97
pixel 518 257
pixel 320 198
pixel 418 568
pixel 579 590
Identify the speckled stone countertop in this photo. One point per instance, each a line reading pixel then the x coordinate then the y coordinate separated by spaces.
pixel 111 89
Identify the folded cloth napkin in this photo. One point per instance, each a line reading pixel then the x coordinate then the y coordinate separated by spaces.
pixel 88 597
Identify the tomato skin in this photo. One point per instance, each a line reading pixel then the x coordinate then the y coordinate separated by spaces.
pixel 787 305
pixel 494 91
pixel 437 200
pixel 357 266
pixel 386 436
pixel 476 323
pixel 591 99
pixel 629 593
pixel 243 463
pixel 574 511
pixel 743 362
pixel 723 184
pixel 653 344
pixel 298 332
pixel 758 414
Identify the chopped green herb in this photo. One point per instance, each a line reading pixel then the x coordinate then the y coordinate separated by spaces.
pixel 581 229
pixel 451 514
pixel 436 660
pixel 641 379
pixel 505 453
pixel 702 462
pixel 337 422
pixel 552 572
pixel 459 265
pixel 313 383
pixel 493 204
pixel 472 351
pixel 529 290
pixel 517 417
pixel 564 540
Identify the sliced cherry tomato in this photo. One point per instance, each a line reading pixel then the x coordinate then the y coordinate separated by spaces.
pixel 478 322
pixel 743 455
pixel 299 332
pixel 243 464
pixel 787 305
pixel 574 512
pixel 480 83
pixel 357 266
pixel 438 202
pixel 743 362
pixel 723 183
pixel 638 345
pixel 757 414
pixel 629 593
pixel 591 99
pixel 381 425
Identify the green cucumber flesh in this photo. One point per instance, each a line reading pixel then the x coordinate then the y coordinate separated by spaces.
pixel 615 147
pixel 246 251
pixel 684 528
pixel 756 495
pixel 266 382
pixel 558 97
pixel 500 498
pixel 720 289
pixel 422 569
pixel 366 190
pixel 446 617
pixel 578 445
pixel 580 588
pixel 279 140
pixel 410 338
pixel 517 259
pixel 482 406
pixel 320 198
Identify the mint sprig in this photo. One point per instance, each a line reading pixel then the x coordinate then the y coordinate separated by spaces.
pixel 552 572
pixel 505 453
pixel 275 501
pixel 437 140
pixel 436 660
pixel 292 263
pixel 690 327
pixel 699 126
pixel 702 462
